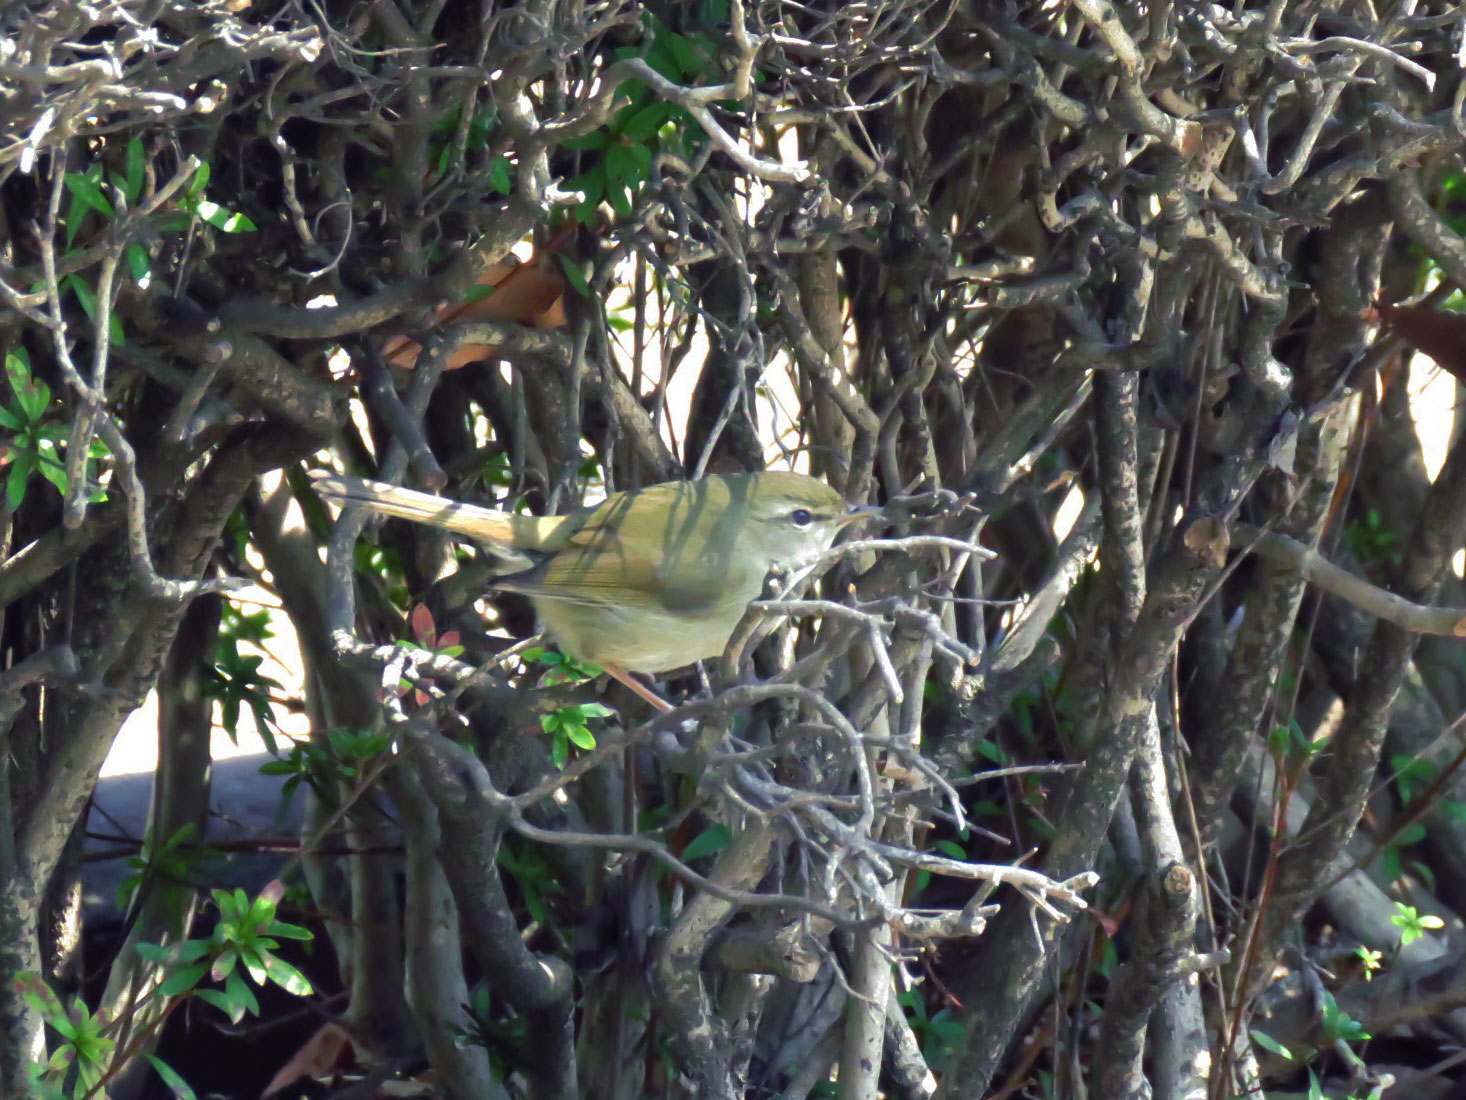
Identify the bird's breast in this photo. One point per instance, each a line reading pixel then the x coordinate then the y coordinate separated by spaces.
pixel 640 639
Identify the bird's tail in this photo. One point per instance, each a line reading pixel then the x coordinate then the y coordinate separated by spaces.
pixel 507 534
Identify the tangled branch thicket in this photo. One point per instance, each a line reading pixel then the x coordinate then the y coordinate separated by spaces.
pixel 1117 762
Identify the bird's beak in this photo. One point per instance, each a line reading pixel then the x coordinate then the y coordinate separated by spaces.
pixel 864 511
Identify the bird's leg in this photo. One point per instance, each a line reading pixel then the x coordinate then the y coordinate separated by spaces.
pixel 636 686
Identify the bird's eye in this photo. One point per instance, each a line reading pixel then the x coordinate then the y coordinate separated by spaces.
pixel 801 517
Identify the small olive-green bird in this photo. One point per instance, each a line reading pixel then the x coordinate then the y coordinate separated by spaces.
pixel 648 580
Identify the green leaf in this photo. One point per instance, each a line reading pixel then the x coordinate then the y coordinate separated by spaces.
pixel 592 142
pixel 709 842
pixel 1267 1042
pixel 40 996
pixel 689 55
pixel 582 737
pixel 661 58
pixel 139 262
pixel 619 164
pixel 499 178
pixel 20 472
pixel 221 1002
pixel 590 184
pixel 287 977
pixel 1413 833
pixel 287 931
pixel 136 171
pixel 166 1072
pixel 621 199
pixel 184 979
pixel 643 125
pixel 239 992
pixel 255 964
pixel 641 155
pixel 31 394
pixel 200 181
pixel 1389 863
pixel 86 195
pixel 575 275
pixel 11 421
pixel 228 221
pixel 84 294
pixel 223 966
pixel 55 473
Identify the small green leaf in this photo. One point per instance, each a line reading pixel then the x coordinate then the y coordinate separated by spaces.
pixel 621 199
pixel 139 262
pixel 619 164
pixel 1413 833
pixel 15 483
pixel 582 737
pixel 55 473
pixel 709 842
pixel 643 125
pixel 254 964
pixel 200 181
pixel 690 55
pixel 136 171
pixel 238 991
pixel 228 221
pixel 221 1002
pixel 589 143
pixel 499 178
pixel 181 981
pixel 86 195
pixel 287 931
pixel 575 275
pixel 1267 1042
pixel 31 395
pixel 84 294
pixel 287 977
pixel 166 1072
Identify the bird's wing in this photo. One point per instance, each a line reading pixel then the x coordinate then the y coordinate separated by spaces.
pixel 669 567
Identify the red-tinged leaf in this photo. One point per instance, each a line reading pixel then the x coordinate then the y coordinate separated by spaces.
pixel 447 640
pixel 1107 922
pixel 223 966
pixel 422 625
